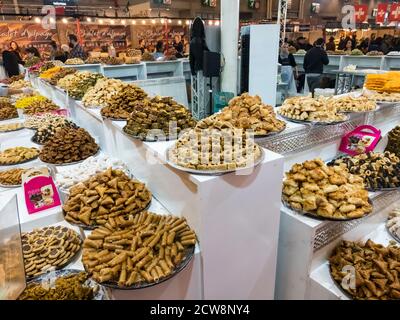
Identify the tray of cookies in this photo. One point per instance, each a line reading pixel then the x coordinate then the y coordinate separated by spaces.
pixel 312 188
pixel 380 171
pixel 18 155
pixel 49 248
pixel 105 198
pixel 11 127
pixel 68 284
pixel 141 252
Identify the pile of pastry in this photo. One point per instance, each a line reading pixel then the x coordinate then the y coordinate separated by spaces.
pixel 376 270
pixel 102 93
pixel 309 109
pixel 18 155
pixel 379 170
pixel 143 249
pixel 158 117
pixel 352 104
pixel 106 198
pixel 250 113
pixel 122 103
pixel 68 145
pixel 329 192
pixel 215 145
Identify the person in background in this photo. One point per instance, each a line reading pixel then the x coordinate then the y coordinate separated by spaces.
pixel 17 51
pixel 142 45
pixel 32 52
pixel 76 49
pixel 349 46
pixel 10 62
pixel 354 40
pixel 363 46
pixel 342 43
pixel 287 59
pixel 314 62
pixel 111 50
pixel 375 45
pixel 159 54
pixel 178 46
pixel 303 44
pixel 331 46
pixel 53 50
pixel 372 43
pixel 386 46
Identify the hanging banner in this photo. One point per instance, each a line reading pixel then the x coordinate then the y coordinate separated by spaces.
pixel 360 12
pixel 380 15
pixel 394 14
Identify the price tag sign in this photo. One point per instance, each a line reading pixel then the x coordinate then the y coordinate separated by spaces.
pixel 362 139
pixel 39 190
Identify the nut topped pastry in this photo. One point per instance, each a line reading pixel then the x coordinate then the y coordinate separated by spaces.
pixel 40 107
pixel 329 192
pixel 310 110
pixel 249 112
pixel 44 133
pixel 68 145
pixel 351 104
pixel 18 155
pixel 158 116
pixel 121 104
pixel 141 250
pixel 215 145
pixel 106 198
pixel 102 92
pixel 393 145
pixel 376 270
pixel 48 247
pixel 379 170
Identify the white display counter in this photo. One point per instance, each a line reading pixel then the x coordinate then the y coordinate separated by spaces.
pixel 237 231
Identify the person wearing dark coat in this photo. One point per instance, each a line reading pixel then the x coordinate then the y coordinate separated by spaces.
pixel 314 62
pixel 10 62
pixel 197 46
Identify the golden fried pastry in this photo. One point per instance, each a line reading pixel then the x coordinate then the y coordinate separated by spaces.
pixel 310 110
pixel 376 270
pixel 106 196
pixel 8 112
pixel 330 192
pixel 250 113
pixel 18 155
pixel 11 127
pixel 12 177
pixel 145 248
pixel 351 104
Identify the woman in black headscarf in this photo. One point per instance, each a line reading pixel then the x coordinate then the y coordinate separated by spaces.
pixel 197 46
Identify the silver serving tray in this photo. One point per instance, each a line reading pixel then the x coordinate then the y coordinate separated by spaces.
pixel 212 172
pixel 315 123
pixel 72 163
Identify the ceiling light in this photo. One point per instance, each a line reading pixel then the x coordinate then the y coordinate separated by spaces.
pixel 38 20
pixel 133 21
pixel 162 21
pixel 153 21
pixel 143 21
pixel 187 22
pixel 179 22
pixel 52 20
pixel 88 19
pixel 64 20
pixel 112 21
pixel 101 21
pixel 123 22
pixel 169 21
pixel 216 23
pixel 210 23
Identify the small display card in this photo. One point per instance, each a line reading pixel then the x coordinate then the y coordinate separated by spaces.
pixel 39 190
pixel 362 139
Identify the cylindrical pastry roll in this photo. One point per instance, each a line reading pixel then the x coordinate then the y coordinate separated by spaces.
pixel 142 262
pixel 132 278
pixel 140 254
pixel 171 237
pixel 122 275
pixel 164 266
pixel 146 275
pixel 118 259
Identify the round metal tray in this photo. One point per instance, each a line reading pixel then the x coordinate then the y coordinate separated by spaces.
pixel 149 140
pixel 315 123
pixel 342 290
pixel 318 217
pixel 71 163
pixel 92 227
pixel 19 129
pixel 22 162
pixel 189 253
pixel 40 144
pixel 71 259
pixel 392 234
pixel 100 293
pixel 213 172
pixel 359 112
pixel 19 185
pixel 113 119
pixel 270 134
pixel 387 103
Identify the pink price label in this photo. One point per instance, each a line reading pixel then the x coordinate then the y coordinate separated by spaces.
pixel 41 194
pixel 362 139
